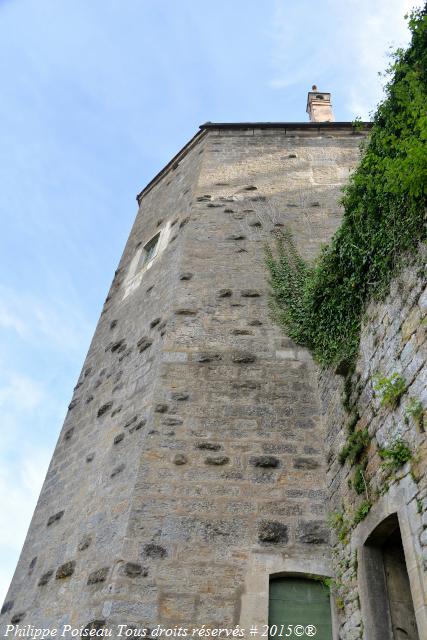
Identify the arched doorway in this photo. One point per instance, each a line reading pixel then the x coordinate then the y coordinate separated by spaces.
pixel 301 602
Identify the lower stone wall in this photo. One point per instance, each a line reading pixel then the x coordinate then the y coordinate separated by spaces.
pixel 375 418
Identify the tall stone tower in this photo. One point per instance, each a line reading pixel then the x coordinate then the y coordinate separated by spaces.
pixel 190 468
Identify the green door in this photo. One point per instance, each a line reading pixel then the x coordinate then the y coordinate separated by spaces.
pixel 301 603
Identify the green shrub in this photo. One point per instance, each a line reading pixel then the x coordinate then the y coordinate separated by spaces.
pixel 390 390
pixel 415 409
pixel 396 455
pixel 361 512
pixel 359 483
pixel 321 305
pixel 340 524
pixel 354 447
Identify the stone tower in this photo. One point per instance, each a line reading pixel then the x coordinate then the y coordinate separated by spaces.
pixel 190 467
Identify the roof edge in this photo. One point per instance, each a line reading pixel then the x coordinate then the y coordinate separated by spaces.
pixel 282 125
pixel 170 165
pixel 204 128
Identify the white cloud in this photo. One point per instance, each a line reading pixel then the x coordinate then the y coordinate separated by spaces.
pixel 20 393
pixel 352 35
pixel 9 320
pixel 20 485
pixel 54 320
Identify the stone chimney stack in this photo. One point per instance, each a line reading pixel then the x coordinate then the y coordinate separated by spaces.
pixel 319 107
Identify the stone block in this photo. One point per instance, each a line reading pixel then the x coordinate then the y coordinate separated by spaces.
pixel 208 446
pixel 55 518
pixel 243 357
pixel 45 578
pixel 134 570
pixel 264 461
pixel 118 469
pixel 100 575
pixel 85 542
pixel 313 532
pixel 104 409
pixel 250 293
pixel 155 551
pixel 18 617
pixel 65 570
pixel 7 606
pixel 217 460
pixel 306 463
pixel 272 532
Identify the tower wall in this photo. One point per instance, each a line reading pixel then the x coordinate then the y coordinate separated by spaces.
pixel 191 462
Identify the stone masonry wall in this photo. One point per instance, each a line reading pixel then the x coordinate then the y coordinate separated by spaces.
pixel 193 443
pixel 83 511
pixel 393 340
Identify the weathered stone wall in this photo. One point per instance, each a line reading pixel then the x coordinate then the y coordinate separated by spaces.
pixel 193 448
pixel 393 340
pixel 92 476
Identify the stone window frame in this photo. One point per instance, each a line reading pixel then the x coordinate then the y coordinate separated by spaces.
pixel 262 567
pixel 139 265
pixel 399 501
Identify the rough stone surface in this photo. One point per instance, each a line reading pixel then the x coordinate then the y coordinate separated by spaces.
pixel 217 460
pixel 55 518
pixel 45 578
pixel 196 526
pixel 85 542
pixel 65 570
pixel 100 575
pixel 393 340
pixel 180 458
pixel 133 569
pixel 273 532
pixel 264 461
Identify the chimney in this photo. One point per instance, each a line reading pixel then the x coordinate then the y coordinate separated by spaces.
pixel 319 107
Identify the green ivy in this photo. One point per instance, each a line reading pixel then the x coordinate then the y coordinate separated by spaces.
pixel 321 305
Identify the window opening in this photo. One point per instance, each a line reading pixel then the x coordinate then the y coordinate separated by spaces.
pixel 150 249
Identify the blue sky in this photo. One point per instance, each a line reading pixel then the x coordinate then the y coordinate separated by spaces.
pixel 96 96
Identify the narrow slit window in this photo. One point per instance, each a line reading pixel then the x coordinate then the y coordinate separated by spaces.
pixel 150 249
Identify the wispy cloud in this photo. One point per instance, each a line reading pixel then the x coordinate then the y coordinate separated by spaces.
pixel 345 45
pixel 26 407
pixel 20 393
pixel 58 322
pixel 20 485
pixel 42 344
pixel 96 96
pixel 9 320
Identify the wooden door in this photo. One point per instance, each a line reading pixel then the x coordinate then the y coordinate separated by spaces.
pixel 301 603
